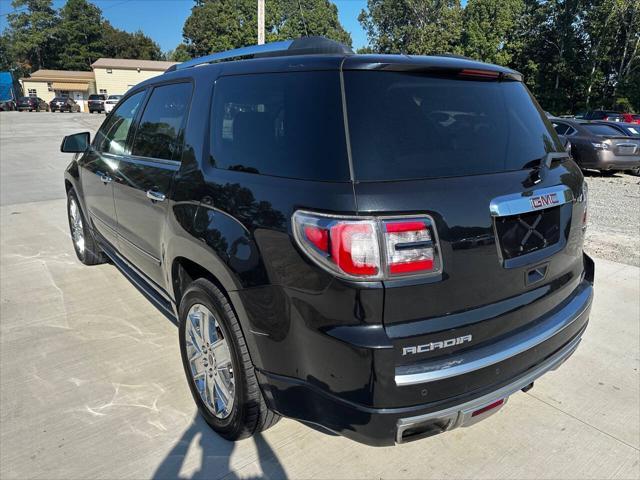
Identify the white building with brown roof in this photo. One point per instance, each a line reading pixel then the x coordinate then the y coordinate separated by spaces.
pixel 48 84
pixel 114 76
pixel 110 76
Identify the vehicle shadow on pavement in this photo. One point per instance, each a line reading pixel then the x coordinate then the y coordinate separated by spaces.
pixel 215 453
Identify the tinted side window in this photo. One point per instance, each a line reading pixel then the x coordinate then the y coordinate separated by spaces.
pixel 160 132
pixel 112 136
pixel 281 124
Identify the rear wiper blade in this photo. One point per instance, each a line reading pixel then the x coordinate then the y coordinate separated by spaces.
pixel 548 159
pixel 538 172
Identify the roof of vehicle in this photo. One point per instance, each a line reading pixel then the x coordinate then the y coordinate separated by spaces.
pixel 319 53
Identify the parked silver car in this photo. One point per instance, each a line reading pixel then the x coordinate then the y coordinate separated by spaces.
pixel 599 146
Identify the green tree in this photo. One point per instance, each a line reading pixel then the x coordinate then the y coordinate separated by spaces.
pixel 178 54
pixel 419 27
pixel 489 26
pixel 287 19
pixel 32 34
pixel 81 35
pixel 120 44
pixel 217 25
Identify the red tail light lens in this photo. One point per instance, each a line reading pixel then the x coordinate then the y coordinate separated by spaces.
pixel 409 247
pixel 354 248
pixel 368 248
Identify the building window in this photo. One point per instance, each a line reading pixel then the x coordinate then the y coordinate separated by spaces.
pixel 50 86
pixel 109 70
pixel 32 92
pixel 63 93
pixel 103 91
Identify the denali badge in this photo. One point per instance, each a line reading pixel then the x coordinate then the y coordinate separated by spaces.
pixel 429 347
pixel 544 200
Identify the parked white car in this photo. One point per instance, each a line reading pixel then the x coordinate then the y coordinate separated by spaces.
pixel 112 101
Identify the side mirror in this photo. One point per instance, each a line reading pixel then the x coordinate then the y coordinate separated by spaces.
pixel 76 143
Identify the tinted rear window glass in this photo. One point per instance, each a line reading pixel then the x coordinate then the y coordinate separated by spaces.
pixel 160 132
pixel 281 124
pixel 602 130
pixel 409 126
pixel 561 128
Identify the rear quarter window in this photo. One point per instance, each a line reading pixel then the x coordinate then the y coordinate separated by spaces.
pixel 280 124
pixel 409 126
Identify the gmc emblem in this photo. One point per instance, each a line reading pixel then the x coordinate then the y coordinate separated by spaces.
pixel 544 200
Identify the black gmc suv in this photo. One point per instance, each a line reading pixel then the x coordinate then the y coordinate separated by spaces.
pixel 384 245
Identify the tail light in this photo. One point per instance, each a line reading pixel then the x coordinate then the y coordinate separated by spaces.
pixel 369 248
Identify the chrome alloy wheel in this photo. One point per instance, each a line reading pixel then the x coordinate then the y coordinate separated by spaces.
pixel 77 230
pixel 210 361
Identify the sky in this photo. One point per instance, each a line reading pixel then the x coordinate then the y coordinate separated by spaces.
pixel 162 20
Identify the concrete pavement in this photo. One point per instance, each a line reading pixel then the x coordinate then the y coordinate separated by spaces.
pixel 91 384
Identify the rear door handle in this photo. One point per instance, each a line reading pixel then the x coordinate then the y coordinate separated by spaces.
pixel 156 196
pixel 105 178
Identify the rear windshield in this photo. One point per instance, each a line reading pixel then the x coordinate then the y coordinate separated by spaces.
pixel 114 97
pixel 411 126
pixel 605 130
pixel 96 97
pixel 59 99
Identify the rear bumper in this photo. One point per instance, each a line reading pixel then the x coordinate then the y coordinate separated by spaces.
pixel 611 161
pixel 484 378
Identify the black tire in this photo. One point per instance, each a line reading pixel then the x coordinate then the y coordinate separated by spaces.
pixel 608 173
pixel 249 414
pixel 91 253
pixel 635 171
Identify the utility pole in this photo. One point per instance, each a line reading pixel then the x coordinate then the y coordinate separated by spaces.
pixel 260 22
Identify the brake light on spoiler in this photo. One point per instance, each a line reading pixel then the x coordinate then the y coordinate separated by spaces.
pixel 369 248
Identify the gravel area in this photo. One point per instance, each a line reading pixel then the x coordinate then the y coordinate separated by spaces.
pixel 613 229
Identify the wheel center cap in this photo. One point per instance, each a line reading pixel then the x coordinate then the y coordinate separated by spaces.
pixel 212 360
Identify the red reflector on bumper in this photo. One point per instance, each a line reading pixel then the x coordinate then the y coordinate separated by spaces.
pixel 488 407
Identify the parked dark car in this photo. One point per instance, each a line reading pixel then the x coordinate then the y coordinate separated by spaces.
pixel 96 103
pixel 599 145
pixel 64 104
pixel 387 246
pixel 604 115
pixel 7 105
pixel 33 104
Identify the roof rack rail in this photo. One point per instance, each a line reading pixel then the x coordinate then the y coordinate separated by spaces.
pixel 299 46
